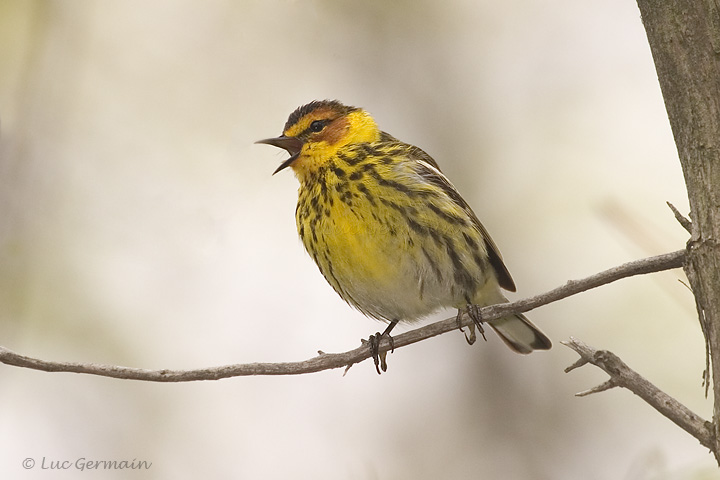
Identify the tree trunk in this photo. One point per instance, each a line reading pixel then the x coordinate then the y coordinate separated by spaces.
pixel 684 37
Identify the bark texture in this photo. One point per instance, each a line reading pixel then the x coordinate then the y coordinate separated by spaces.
pixel 684 37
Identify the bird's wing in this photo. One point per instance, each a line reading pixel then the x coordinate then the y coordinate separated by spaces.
pixel 428 169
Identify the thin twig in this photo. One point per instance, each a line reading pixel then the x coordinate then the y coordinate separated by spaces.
pixel 623 376
pixel 682 219
pixel 327 361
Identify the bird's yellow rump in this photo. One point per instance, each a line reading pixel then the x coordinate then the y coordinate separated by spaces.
pixel 387 229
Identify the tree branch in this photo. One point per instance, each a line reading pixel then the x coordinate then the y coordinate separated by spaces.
pixel 623 376
pixel 328 361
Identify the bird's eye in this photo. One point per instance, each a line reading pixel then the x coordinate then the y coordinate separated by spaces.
pixel 317 125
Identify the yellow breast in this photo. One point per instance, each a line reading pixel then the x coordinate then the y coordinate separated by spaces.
pixel 367 225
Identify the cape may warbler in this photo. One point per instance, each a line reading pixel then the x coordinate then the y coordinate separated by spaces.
pixel 388 230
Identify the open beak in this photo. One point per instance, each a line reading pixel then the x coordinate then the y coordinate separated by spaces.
pixel 291 144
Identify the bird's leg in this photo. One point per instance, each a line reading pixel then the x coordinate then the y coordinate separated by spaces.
pixel 374 341
pixel 470 339
pixel 474 313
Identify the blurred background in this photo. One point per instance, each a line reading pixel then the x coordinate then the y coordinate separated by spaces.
pixel 140 226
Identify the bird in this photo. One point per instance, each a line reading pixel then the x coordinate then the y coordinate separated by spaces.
pixel 388 230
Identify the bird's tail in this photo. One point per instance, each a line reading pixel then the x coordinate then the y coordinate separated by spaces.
pixel 520 334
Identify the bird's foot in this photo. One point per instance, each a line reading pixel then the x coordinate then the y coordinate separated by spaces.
pixel 470 339
pixel 379 358
pixel 473 312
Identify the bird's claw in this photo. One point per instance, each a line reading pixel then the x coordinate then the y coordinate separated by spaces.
pixel 470 339
pixel 473 312
pixel 379 358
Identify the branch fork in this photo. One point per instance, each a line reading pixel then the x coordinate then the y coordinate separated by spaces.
pixel 623 376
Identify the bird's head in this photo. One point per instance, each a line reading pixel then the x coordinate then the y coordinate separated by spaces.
pixel 315 132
